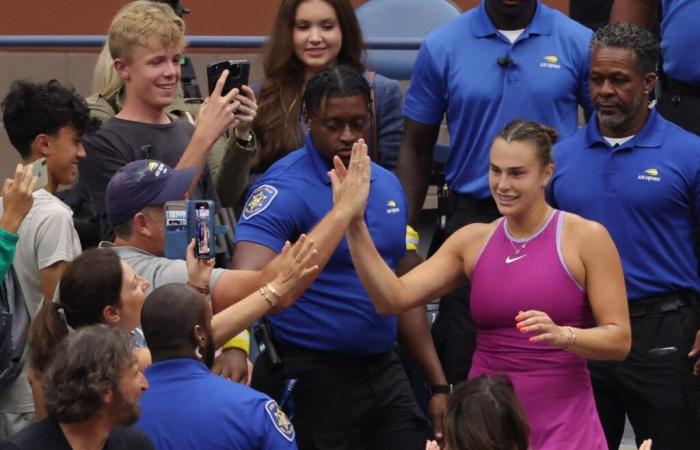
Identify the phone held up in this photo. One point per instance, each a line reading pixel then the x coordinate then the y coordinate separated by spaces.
pixel 202 231
pixel 40 171
pixel 238 72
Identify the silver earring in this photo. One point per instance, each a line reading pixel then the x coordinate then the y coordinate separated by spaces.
pixel 197 353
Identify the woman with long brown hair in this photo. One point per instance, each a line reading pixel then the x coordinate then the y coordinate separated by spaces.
pixel 309 35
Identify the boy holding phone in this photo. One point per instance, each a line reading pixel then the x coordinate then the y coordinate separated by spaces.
pixel 146 41
pixel 47 121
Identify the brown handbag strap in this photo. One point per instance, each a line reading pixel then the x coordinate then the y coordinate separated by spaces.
pixel 374 150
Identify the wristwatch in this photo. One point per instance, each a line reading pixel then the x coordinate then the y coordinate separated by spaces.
pixel 245 142
pixel 440 389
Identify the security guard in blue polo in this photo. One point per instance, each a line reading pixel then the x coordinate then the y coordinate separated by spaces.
pixel 347 387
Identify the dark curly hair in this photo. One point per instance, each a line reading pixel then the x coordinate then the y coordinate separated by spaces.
pixel 339 81
pixel 88 363
pixel 632 37
pixel 31 109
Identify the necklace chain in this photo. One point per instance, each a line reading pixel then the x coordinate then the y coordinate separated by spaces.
pixel 517 249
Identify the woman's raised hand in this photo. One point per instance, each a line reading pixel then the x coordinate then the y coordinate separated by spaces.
pixel 351 184
pixel 294 269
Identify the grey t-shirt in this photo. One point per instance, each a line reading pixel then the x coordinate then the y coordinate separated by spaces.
pixel 46 237
pixel 157 270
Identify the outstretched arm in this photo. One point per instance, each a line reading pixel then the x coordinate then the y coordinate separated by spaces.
pixel 437 276
pixel 296 269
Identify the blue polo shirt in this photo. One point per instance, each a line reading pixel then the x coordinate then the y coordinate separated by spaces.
pixel 679 33
pixel 457 73
pixel 334 314
pixel 187 407
pixel 646 192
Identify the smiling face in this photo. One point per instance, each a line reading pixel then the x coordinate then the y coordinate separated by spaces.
pixel 316 36
pixel 131 298
pixel 517 177
pixel 151 75
pixel 63 150
pixel 619 91
pixel 337 124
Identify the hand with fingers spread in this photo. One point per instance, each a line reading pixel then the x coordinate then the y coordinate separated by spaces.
pixel 198 270
pixel 295 267
pixel 17 197
pixel 246 113
pixel 544 329
pixel 217 113
pixel 351 184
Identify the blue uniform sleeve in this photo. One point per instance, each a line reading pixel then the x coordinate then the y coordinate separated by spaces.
pixel 389 119
pixel 426 99
pixel 277 431
pixel 272 215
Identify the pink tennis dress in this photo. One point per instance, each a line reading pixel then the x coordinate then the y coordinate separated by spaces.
pixel 553 386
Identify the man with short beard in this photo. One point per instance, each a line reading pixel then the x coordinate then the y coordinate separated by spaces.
pixel 639 175
pixel 92 391
pixel 188 407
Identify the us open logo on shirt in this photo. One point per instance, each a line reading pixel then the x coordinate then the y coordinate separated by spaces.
pixel 651 175
pixel 259 200
pixel 391 207
pixel 550 62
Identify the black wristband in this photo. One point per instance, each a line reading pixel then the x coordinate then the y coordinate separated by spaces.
pixel 440 389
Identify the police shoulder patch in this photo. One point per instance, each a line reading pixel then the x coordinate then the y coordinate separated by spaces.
pixel 259 200
pixel 279 420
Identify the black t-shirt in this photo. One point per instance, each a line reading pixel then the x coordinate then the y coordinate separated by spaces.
pixel 47 435
pixel 119 142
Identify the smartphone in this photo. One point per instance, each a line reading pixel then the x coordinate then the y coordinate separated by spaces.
pixel 203 238
pixel 176 216
pixel 176 229
pixel 41 172
pixel 238 72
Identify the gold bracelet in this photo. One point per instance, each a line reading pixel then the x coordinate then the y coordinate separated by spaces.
pixel 266 296
pixel 573 339
pixel 273 291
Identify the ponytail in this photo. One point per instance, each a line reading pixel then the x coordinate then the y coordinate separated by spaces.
pixel 47 329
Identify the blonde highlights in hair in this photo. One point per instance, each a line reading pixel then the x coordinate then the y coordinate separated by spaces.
pixel 148 24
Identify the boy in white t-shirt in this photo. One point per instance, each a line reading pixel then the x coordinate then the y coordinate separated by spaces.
pixel 45 120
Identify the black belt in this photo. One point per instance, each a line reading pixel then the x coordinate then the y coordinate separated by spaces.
pixel 290 350
pixel 660 304
pixel 674 87
pixel 462 202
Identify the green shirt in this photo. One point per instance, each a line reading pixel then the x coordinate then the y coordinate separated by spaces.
pixel 8 241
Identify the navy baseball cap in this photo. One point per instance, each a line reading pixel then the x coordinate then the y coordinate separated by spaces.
pixel 144 183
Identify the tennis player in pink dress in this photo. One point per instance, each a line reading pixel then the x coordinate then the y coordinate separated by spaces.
pixel 547 291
